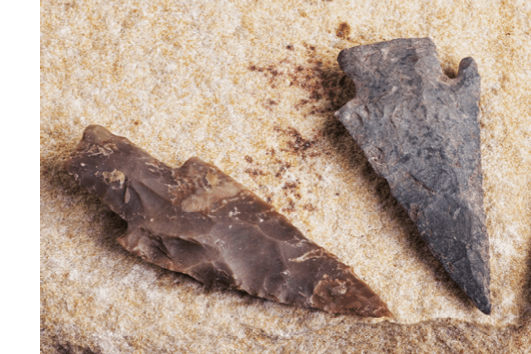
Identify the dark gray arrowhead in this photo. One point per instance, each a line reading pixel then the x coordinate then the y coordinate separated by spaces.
pixel 419 130
pixel 199 221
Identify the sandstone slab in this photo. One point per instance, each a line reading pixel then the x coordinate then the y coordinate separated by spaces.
pixel 175 78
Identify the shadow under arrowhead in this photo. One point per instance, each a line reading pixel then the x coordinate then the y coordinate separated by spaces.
pixel 419 130
pixel 198 221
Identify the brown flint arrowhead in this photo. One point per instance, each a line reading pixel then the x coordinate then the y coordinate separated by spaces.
pixel 419 129
pixel 198 221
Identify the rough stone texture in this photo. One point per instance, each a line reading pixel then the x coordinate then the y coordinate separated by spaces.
pixel 197 220
pixel 419 130
pixel 252 88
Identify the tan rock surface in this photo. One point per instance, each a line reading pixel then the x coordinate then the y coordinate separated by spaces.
pixel 252 88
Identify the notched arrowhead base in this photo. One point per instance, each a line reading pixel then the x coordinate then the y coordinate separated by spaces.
pixel 198 221
pixel 419 129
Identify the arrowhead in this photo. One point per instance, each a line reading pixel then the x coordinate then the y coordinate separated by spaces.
pixel 199 221
pixel 419 129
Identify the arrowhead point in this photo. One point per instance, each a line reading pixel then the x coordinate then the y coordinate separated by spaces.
pixel 419 130
pixel 197 220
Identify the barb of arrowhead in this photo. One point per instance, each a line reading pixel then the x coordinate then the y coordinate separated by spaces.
pixel 198 221
pixel 419 129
